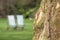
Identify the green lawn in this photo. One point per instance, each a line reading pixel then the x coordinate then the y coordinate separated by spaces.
pixel 27 34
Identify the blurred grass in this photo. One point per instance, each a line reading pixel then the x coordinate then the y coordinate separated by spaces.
pixel 27 34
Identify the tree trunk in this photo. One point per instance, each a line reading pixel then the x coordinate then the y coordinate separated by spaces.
pixel 47 21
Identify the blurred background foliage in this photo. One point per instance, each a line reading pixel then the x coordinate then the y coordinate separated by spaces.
pixel 24 7
pixel 27 7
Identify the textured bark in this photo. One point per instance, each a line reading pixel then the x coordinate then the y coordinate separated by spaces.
pixel 47 25
pixel 39 19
